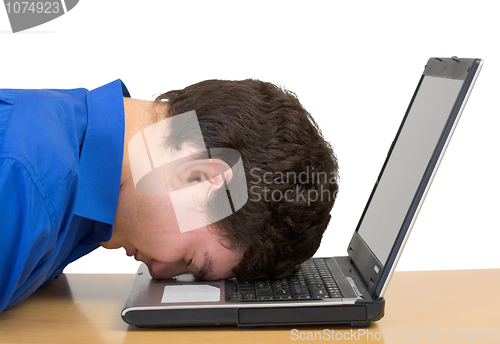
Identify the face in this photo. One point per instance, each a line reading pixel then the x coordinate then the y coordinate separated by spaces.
pixel 146 227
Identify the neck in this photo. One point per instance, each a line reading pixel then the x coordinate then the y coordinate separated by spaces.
pixel 138 115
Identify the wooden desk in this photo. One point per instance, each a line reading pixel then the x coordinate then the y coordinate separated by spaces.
pixel 82 308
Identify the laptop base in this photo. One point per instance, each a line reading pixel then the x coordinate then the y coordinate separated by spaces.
pixel 359 315
pixel 349 310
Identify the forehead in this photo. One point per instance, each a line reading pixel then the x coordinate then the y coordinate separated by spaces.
pixel 216 260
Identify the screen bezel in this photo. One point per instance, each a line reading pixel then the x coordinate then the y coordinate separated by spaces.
pixel 372 271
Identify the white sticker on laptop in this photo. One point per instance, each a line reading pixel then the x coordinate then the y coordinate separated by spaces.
pixel 190 293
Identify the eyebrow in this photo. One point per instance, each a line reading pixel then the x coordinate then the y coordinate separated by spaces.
pixel 206 268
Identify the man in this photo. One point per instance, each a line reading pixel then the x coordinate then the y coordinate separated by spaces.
pixel 67 186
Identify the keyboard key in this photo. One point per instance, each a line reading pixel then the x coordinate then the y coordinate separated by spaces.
pixel 260 292
pixel 283 294
pixel 319 293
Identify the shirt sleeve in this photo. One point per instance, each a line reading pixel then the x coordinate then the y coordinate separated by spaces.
pixel 25 231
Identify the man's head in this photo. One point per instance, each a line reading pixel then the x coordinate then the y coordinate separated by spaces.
pixel 281 225
pixel 291 178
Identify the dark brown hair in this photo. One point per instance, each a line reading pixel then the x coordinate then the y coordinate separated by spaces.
pixel 281 225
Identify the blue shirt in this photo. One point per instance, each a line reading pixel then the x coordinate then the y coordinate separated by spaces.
pixel 61 157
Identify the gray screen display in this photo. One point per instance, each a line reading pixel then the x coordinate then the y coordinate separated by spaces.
pixel 406 166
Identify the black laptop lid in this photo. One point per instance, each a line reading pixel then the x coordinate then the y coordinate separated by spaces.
pixel 409 168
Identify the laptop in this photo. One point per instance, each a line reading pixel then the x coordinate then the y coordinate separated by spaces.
pixel 332 290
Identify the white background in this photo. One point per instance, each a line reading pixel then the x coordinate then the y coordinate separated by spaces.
pixel 353 64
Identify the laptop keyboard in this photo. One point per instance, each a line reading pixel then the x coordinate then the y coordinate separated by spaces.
pixel 313 281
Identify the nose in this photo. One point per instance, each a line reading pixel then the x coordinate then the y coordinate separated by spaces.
pixel 166 269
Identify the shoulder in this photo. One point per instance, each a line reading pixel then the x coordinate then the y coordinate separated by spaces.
pixel 46 128
pixel 40 143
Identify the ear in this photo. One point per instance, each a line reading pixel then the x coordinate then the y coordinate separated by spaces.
pixel 190 173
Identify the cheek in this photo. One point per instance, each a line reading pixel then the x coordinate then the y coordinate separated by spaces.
pixel 154 221
pixel 159 213
pixel 165 247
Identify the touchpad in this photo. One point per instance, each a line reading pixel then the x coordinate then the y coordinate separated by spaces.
pixel 190 293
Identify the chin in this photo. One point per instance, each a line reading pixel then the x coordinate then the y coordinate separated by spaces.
pixel 109 245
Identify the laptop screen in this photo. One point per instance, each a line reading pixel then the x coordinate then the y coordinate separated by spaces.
pixel 407 163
